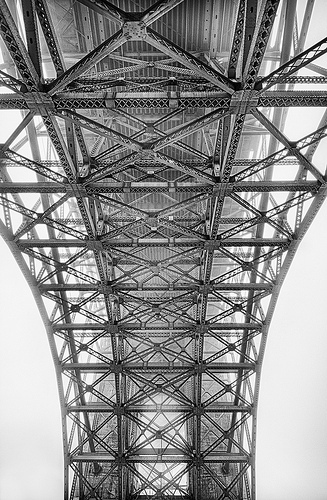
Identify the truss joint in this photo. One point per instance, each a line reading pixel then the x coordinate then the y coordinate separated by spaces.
pixel 198 410
pixel 95 245
pixel 242 101
pixel 119 410
pixel 105 289
pixel 40 102
pixel 201 329
pixel 134 30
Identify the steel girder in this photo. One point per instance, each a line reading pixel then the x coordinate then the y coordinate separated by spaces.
pixel 121 100
pixel 154 241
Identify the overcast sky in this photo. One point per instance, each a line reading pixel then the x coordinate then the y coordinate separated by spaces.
pixel 292 429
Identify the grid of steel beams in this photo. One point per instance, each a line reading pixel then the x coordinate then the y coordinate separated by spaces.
pixel 154 205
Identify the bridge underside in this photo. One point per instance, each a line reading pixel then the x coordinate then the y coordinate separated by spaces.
pixel 154 204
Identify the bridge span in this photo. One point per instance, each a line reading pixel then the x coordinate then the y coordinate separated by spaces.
pixel 166 162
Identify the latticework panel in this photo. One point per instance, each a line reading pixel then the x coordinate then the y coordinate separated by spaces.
pixel 155 204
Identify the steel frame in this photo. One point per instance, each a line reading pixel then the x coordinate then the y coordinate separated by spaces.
pixel 154 245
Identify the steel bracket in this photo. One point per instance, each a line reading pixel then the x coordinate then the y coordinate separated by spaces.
pixel 105 288
pixel 199 368
pixel 76 190
pixel 201 329
pixel 110 100
pixel 134 30
pixel 198 410
pixel 39 102
pixel 244 100
pixel 116 367
pixel 205 289
pixel 212 244
pixel 113 328
pixel 95 245
pixel 198 461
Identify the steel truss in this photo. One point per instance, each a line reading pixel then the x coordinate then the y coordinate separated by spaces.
pixel 154 243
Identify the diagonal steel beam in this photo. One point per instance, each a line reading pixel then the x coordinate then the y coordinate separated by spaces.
pixel 308 140
pixel 106 9
pixel 186 59
pixel 17 49
pixel 281 138
pixel 60 146
pixel 189 128
pixel 23 124
pixel 37 167
pixel 237 40
pixel 113 168
pixel 96 55
pixel 158 10
pixel 251 21
pixel 41 217
pixel 50 36
pixel 259 43
pixel 100 129
pixel 184 167
pixel 299 61
pixel 12 83
pixel 33 216
pixel 32 35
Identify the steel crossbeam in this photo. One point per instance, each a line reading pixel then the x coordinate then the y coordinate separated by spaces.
pixel 220 286
pixel 168 408
pixel 156 230
pixel 93 244
pixel 136 187
pixel 125 100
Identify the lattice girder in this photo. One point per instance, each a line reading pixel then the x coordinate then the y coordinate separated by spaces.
pixel 152 231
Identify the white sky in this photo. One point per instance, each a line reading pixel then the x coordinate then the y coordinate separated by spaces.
pixel 292 424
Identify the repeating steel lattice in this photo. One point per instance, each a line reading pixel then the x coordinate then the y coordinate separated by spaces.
pixel 154 204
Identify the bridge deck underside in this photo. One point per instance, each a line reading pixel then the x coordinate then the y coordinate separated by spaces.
pixel 155 204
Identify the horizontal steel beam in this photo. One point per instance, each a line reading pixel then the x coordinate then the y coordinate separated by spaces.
pixel 112 287
pixel 145 83
pixel 153 242
pixel 153 100
pixel 160 457
pixel 138 327
pixel 220 100
pixel 125 367
pixel 159 187
pixel 126 409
